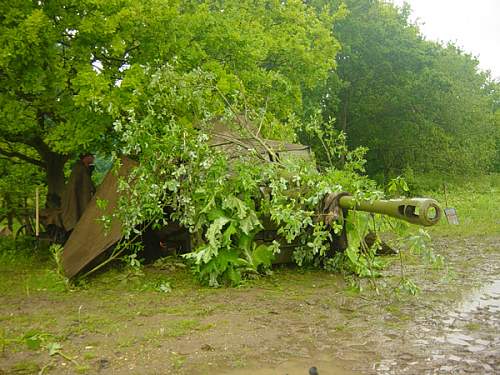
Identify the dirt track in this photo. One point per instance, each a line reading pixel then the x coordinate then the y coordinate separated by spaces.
pixel 282 324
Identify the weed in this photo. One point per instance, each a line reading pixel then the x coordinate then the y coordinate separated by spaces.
pixel 159 285
pixel 206 310
pixel 35 339
pixel 56 252
pixel 178 361
pixel 55 349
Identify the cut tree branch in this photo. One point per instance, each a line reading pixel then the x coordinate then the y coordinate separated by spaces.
pixel 244 125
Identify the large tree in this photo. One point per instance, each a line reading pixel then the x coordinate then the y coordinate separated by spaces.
pixel 60 58
pixel 44 53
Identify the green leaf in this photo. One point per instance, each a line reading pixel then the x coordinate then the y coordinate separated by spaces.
pixel 222 268
pixel 236 205
pixel 245 242
pixel 233 275
pixel 250 223
pixel 262 255
pixel 228 232
pixel 54 348
pixel 214 231
pixel 215 213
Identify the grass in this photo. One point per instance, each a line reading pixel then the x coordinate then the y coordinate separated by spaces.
pixel 477 202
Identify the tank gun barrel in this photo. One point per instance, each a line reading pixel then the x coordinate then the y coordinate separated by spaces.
pixel 420 211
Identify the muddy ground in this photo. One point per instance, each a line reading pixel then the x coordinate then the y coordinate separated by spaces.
pixel 165 323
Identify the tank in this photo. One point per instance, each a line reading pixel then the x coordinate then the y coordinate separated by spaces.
pixel 89 239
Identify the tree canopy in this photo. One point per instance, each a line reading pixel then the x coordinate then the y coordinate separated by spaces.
pixel 414 103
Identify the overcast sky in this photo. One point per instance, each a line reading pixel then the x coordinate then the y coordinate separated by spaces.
pixel 473 25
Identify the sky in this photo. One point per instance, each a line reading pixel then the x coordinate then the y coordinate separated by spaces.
pixel 472 25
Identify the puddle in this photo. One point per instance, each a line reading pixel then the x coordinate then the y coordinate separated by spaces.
pixel 465 339
pixel 488 297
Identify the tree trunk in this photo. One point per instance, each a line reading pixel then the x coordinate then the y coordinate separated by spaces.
pixel 343 119
pixel 55 178
pixel 54 168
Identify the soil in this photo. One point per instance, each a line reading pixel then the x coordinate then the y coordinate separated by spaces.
pixel 281 324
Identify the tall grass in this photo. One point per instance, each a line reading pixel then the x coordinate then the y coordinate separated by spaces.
pixel 476 200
